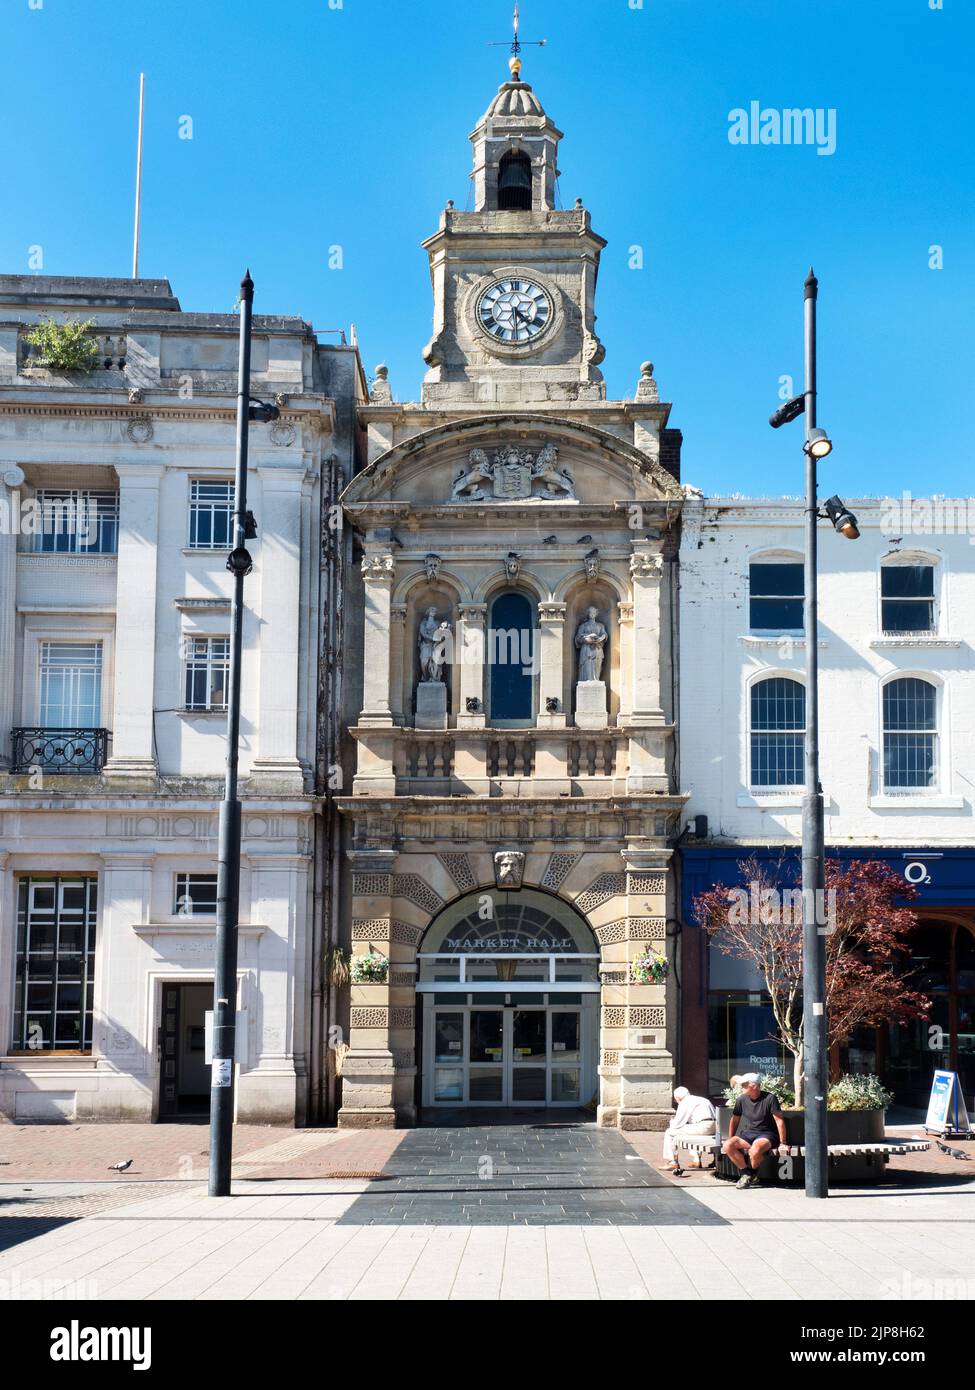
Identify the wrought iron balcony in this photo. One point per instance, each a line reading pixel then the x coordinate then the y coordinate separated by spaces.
pixel 62 752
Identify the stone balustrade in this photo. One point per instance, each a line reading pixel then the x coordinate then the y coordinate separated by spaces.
pixel 481 760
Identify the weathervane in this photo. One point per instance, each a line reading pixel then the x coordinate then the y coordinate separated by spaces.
pixel 514 62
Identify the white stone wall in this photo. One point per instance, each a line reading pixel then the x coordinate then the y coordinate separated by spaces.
pixel 719 658
pixel 148 428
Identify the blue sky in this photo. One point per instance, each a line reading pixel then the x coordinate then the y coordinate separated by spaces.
pixel 318 124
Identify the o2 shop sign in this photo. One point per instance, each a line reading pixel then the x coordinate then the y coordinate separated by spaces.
pixel 917 871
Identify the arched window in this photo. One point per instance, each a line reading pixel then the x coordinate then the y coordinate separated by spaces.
pixel 510 660
pixel 910 734
pixel 778 723
pixel 515 183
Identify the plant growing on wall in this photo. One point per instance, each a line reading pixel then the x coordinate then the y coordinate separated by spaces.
pixel 867 930
pixel 67 347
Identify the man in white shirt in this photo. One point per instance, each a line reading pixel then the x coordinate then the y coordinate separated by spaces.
pixel 694 1115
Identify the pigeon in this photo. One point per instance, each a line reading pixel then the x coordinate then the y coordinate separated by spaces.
pixel 591 555
pixel 955 1153
pixel 550 540
pixel 584 540
pixel 120 1167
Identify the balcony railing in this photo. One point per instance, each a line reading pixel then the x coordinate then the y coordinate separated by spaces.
pixel 62 752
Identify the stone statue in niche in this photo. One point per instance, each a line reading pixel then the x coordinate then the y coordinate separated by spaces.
pixel 591 638
pixel 433 636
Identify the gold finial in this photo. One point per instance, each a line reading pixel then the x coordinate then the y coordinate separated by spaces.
pixel 515 65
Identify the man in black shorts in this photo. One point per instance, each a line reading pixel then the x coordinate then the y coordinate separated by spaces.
pixel 762 1129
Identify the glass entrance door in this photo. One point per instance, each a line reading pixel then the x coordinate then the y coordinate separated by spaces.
pixel 505 1055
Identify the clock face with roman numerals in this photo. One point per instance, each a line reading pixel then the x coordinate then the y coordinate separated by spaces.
pixel 514 311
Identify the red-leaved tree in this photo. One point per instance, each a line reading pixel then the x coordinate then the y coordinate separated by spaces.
pixel 867 934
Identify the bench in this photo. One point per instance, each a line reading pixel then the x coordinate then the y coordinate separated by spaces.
pixel 884 1149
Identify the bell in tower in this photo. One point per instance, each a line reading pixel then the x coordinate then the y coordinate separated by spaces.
pixel 515 183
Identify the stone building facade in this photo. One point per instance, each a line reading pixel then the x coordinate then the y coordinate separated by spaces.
pixel 515 796
pixel 114 649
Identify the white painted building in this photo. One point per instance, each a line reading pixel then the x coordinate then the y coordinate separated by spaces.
pixel 897 690
pixel 116 493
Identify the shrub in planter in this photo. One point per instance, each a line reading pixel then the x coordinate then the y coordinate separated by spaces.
pixel 776 1084
pixel 858 1093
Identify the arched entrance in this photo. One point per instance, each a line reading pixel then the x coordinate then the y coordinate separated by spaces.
pixel 509 985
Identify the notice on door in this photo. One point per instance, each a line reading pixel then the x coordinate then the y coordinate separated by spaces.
pixel 221 1073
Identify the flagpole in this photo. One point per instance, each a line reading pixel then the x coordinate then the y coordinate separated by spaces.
pixel 138 179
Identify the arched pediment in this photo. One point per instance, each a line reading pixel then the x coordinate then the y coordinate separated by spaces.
pixel 518 457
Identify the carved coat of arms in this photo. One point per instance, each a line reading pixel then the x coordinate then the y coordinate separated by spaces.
pixel 513 474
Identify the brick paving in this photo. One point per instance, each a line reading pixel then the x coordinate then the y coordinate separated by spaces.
pixel 179 1151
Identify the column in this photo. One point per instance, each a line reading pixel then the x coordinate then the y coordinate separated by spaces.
pixel 279 528
pixel 133 758
pixel 646 570
pixel 11 480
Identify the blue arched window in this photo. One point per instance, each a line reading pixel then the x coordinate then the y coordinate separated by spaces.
pixel 510 654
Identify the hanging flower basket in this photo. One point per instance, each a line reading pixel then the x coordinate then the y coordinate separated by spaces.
pixel 649 969
pixel 370 970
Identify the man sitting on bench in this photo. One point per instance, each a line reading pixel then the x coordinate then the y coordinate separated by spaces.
pixel 762 1129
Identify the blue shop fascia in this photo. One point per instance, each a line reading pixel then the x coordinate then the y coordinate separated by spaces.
pixel 726 1019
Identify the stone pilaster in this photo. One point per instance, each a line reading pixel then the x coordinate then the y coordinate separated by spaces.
pixel 378 573
pixel 133 759
pixel 646 1062
pixel 646 571
pixel 11 480
pixel 625 612
pixel 368 1068
pixel 471 655
pixel 551 623
pixel 276 766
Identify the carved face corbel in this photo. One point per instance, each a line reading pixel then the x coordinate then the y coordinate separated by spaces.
pixel 509 869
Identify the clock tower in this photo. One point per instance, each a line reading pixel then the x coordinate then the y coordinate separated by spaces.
pixel 514 280
pixel 510 675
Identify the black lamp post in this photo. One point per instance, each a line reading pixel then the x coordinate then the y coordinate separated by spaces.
pixel 814 924
pixel 228 861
